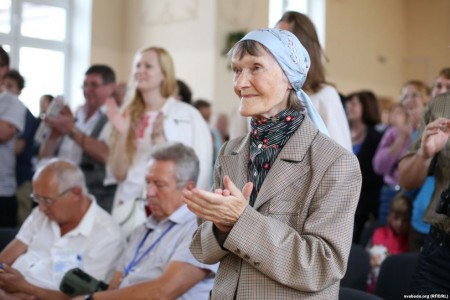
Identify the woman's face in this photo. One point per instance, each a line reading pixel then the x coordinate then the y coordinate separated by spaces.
pixel 43 104
pixel 148 73
pixel 397 116
pixel 441 86
pixel 413 103
pixel 354 109
pixel 399 223
pixel 283 25
pixel 260 84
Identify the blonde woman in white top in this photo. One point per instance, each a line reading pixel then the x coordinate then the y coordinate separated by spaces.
pixel 151 115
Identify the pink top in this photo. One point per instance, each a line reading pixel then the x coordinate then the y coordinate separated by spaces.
pixel 394 243
pixel 386 164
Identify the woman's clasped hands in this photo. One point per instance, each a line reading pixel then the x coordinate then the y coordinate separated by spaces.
pixel 223 207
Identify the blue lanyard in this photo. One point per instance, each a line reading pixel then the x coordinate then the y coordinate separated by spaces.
pixel 137 259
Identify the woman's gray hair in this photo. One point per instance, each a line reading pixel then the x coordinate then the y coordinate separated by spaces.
pixel 187 166
pixel 67 174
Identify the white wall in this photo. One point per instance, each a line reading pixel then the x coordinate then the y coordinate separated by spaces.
pixel 371 44
pixel 108 34
pixel 233 15
pixel 380 44
pixel 193 31
pixel 80 51
pixel 365 45
pixel 428 40
pixel 185 28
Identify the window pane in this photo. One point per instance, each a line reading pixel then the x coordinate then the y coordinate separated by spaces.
pixel 6 47
pixel 43 22
pixel 5 16
pixel 44 74
pixel 278 7
pixel 275 12
pixel 297 5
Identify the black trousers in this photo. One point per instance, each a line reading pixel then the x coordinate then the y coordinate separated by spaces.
pixel 8 211
pixel 104 195
pixel 432 274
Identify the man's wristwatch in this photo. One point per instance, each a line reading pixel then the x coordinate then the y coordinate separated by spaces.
pixel 72 132
pixel 89 297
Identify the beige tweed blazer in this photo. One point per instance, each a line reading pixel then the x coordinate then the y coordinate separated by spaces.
pixel 294 243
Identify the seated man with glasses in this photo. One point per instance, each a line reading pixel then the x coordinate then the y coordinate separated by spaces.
pixel 157 263
pixel 82 138
pixel 67 230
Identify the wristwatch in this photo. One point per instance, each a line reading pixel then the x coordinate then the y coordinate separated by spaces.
pixel 89 297
pixel 72 132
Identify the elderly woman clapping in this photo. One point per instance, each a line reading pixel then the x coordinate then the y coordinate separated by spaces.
pixel 280 220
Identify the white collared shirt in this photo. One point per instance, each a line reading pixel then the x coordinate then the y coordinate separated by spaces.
pixel 328 104
pixel 94 245
pixel 182 123
pixel 72 151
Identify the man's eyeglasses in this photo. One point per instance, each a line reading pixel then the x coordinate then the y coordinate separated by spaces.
pixel 91 86
pixel 413 95
pixel 47 200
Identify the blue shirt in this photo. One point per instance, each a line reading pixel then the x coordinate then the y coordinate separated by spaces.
pixel 173 246
pixel 356 148
pixel 420 205
pixel 24 167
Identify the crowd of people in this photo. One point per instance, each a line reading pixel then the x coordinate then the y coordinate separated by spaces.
pixel 141 190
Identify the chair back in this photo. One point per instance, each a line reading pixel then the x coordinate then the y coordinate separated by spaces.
pixel 396 271
pixel 367 233
pixel 352 294
pixel 7 235
pixel 358 268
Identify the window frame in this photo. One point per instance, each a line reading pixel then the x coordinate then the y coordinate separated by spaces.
pixel 15 40
pixel 315 9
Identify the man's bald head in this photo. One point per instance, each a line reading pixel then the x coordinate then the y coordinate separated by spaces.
pixel 65 174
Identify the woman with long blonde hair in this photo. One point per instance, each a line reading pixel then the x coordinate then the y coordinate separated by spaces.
pixel 151 115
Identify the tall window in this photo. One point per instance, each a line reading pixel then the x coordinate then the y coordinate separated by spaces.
pixel 36 35
pixel 278 7
pixel 315 9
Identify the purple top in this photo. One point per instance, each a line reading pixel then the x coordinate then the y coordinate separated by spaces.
pixel 384 162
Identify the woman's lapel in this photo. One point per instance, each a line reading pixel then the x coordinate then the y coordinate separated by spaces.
pixel 288 167
pixel 235 164
pixel 290 164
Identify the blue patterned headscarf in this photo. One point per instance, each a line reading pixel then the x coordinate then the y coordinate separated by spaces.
pixel 293 60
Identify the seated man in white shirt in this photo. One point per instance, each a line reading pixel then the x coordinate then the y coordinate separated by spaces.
pixel 157 263
pixel 68 229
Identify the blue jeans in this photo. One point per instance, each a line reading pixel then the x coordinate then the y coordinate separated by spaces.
pixel 432 274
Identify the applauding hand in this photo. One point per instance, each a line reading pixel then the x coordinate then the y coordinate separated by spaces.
pixel 120 122
pixel 223 207
pixel 435 137
pixel 158 136
pixel 61 124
